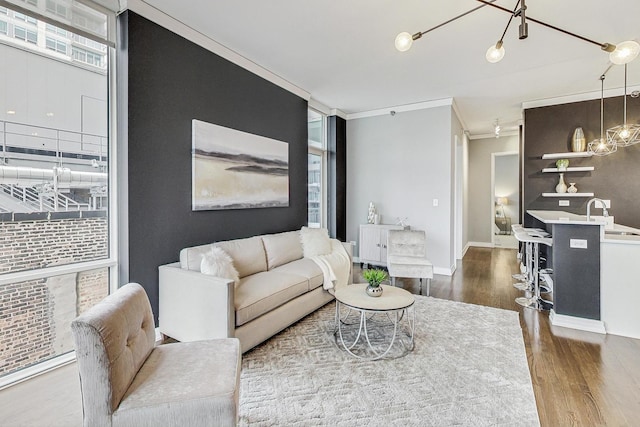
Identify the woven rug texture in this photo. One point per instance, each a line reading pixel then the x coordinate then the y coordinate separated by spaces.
pixel 468 368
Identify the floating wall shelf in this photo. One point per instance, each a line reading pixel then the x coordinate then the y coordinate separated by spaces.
pixel 570 169
pixel 567 194
pixel 568 155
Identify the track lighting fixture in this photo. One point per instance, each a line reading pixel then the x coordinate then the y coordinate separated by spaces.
pixel 623 53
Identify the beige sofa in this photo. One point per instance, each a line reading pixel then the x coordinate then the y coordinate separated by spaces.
pixel 277 287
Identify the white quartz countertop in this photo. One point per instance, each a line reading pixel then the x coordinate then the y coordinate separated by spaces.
pixel 617 233
pixel 562 217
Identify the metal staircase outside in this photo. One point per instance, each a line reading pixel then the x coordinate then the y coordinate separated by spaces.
pixel 14 198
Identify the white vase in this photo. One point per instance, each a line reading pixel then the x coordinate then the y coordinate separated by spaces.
pixel 371 213
pixel 561 187
pixel 572 188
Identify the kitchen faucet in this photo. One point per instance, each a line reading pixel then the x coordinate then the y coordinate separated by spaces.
pixel 605 213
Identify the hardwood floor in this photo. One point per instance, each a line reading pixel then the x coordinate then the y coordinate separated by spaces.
pixel 579 378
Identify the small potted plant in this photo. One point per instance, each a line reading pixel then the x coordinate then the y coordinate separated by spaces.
pixel 562 164
pixel 374 277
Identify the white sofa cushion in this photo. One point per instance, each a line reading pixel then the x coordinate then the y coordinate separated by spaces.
pixel 282 248
pixel 304 267
pixel 247 254
pixel 218 263
pixel 315 241
pixel 191 258
pixel 262 292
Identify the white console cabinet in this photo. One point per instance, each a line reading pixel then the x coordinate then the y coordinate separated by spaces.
pixel 373 243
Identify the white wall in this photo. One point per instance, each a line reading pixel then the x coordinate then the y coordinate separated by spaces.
pixel 401 163
pixel 457 135
pixel 480 202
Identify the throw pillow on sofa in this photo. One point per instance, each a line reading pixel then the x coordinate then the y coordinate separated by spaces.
pixel 218 263
pixel 315 241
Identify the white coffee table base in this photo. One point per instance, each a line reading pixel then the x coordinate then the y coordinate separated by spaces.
pixel 395 318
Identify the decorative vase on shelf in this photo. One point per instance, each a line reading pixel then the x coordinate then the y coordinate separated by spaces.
pixel 572 188
pixel 578 142
pixel 561 187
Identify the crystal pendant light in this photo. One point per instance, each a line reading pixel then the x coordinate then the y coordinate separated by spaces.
pixel 602 146
pixel 625 134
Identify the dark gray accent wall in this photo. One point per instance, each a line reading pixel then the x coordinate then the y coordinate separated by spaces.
pixel 171 81
pixel 576 271
pixel 337 182
pixel 616 177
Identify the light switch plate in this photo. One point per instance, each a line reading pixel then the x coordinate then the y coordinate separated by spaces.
pixel 578 243
pixel 435 202
pixel 563 203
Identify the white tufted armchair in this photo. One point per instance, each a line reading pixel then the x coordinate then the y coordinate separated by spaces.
pixel 407 256
pixel 127 381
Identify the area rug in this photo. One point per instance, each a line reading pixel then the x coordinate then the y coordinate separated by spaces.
pixel 468 368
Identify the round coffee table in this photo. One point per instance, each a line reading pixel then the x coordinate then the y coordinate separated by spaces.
pixel 394 303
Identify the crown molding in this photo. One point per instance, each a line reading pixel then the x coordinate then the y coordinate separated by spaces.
pixel 339 113
pixel 579 97
pixel 145 9
pixel 493 135
pixel 401 108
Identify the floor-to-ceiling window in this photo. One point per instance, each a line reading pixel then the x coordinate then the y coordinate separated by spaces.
pixel 56 257
pixel 317 166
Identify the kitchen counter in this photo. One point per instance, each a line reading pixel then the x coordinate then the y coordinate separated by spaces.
pixel 595 273
pixel 613 233
pixel 562 217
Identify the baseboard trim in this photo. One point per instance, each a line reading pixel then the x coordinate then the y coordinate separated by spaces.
pixel 481 244
pixel 589 325
pixel 466 248
pixel 444 271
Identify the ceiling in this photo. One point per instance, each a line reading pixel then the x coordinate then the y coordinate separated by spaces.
pixel 343 52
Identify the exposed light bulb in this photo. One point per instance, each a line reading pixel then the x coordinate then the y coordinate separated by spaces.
pixel 625 52
pixel 495 53
pixel 404 41
pixel 11 112
pixel 624 133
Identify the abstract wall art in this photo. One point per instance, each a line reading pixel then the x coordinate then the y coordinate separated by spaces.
pixel 237 170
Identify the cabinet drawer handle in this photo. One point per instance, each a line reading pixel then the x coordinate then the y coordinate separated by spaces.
pixel 378 244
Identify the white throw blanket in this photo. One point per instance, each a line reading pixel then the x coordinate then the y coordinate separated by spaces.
pixel 335 266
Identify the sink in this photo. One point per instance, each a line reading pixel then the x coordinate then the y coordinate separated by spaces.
pixel 621 233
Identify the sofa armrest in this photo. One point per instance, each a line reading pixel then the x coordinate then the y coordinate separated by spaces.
pixel 195 306
pixel 349 248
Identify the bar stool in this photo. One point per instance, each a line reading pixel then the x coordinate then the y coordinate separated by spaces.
pixel 525 255
pixel 533 256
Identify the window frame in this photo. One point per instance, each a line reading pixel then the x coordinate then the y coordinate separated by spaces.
pixel 322 152
pixel 111 262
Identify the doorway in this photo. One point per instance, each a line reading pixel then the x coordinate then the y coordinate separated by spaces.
pixel 505 194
